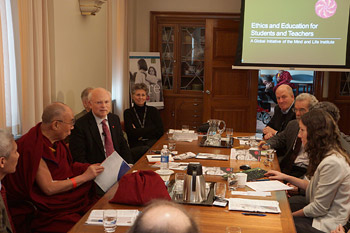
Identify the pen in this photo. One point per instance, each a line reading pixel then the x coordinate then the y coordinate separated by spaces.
pixel 96 220
pixel 155 156
pixel 263 180
pixel 254 214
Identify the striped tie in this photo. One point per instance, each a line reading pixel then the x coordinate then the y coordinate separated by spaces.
pixel 108 139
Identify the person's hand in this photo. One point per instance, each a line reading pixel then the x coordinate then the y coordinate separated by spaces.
pixel 275 175
pixel 339 229
pixel 263 145
pixel 292 192
pixel 92 171
pixel 268 136
pixel 270 130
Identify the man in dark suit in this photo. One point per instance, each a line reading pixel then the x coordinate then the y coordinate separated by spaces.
pixel 283 112
pixel 89 139
pixel 295 161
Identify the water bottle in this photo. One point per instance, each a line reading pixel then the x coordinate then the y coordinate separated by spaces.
pixel 164 158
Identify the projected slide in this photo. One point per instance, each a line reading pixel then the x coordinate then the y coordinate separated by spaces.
pixel 312 32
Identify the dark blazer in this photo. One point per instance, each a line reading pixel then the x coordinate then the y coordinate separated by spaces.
pixel 86 144
pixel 285 140
pixel 279 120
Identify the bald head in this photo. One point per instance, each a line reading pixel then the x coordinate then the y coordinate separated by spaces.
pixel 170 218
pixel 100 102
pixel 284 96
pixel 53 112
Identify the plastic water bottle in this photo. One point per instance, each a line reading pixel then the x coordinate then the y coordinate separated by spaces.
pixel 164 158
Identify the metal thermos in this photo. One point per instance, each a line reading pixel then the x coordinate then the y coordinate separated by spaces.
pixel 194 184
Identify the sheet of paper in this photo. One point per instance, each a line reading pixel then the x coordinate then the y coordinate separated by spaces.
pixel 252 205
pixel 251 193
pixel 271 185
pixel 124 217
pixel 109 176
pixel 173 166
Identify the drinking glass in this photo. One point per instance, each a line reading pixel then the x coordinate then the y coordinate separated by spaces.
pixel 185 128
pixel 172 145
pixel 220 190
pixel 229 133
pixel 170 134
pixel 109 220
pixel 232 182
pixel 179 185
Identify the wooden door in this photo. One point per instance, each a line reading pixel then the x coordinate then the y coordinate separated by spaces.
pixel 229 94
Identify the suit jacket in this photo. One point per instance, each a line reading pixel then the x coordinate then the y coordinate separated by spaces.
pixel 5 225
pixel 86 144
pixel 279 120
pixel 328 193
pixel 285 140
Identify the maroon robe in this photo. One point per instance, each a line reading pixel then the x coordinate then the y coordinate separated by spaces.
pixel 55 213
pixel 284 78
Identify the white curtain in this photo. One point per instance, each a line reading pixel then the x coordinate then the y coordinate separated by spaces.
pixel 35 60
pixel 9 105
pixel 117 53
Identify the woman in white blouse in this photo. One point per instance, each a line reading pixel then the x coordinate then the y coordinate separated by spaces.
pixel 327 184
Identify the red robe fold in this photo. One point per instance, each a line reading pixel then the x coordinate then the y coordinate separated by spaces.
pixel 56 213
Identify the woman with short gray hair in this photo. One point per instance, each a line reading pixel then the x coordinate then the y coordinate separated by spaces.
pixel 143 124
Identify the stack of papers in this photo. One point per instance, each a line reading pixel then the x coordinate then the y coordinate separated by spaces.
pixel 188 136
pixel 251 193
pixel 173 166
pixel 251 205
pixel 271 185
pixel 124 217
pixel 212 156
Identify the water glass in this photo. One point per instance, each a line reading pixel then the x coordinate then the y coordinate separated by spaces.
pixel 220 190
pixel 229 132
pixel 170 134
pixel 109 220
pixel 270 155
pixel 172 145
pixel 232 182
pixel 179 185
pixel 185 128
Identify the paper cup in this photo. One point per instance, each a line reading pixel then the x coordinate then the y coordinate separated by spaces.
pixel 242 179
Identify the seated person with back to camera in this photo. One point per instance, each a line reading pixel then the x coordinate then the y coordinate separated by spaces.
pixel 143 124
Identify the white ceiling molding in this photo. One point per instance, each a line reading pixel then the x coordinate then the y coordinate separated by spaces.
pixel 90 7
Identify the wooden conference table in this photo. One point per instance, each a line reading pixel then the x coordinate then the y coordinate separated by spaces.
pixel 209 218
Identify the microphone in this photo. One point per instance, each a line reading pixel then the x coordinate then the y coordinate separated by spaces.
pixel 104 134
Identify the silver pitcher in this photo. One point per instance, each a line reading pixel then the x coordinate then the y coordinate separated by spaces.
pixel 214 132
pixel 194 184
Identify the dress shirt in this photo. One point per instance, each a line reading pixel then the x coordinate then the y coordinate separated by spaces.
pixel 100 129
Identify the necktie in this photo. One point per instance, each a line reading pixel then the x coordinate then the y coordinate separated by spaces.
pixel 108 139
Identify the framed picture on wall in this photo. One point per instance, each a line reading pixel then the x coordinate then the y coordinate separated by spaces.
pixel 144 67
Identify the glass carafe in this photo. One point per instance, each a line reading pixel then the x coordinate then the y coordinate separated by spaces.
pixel 214 132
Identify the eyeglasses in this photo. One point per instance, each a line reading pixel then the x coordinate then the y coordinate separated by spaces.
pixel 106 102
pixel 301 110
pixel 68 123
